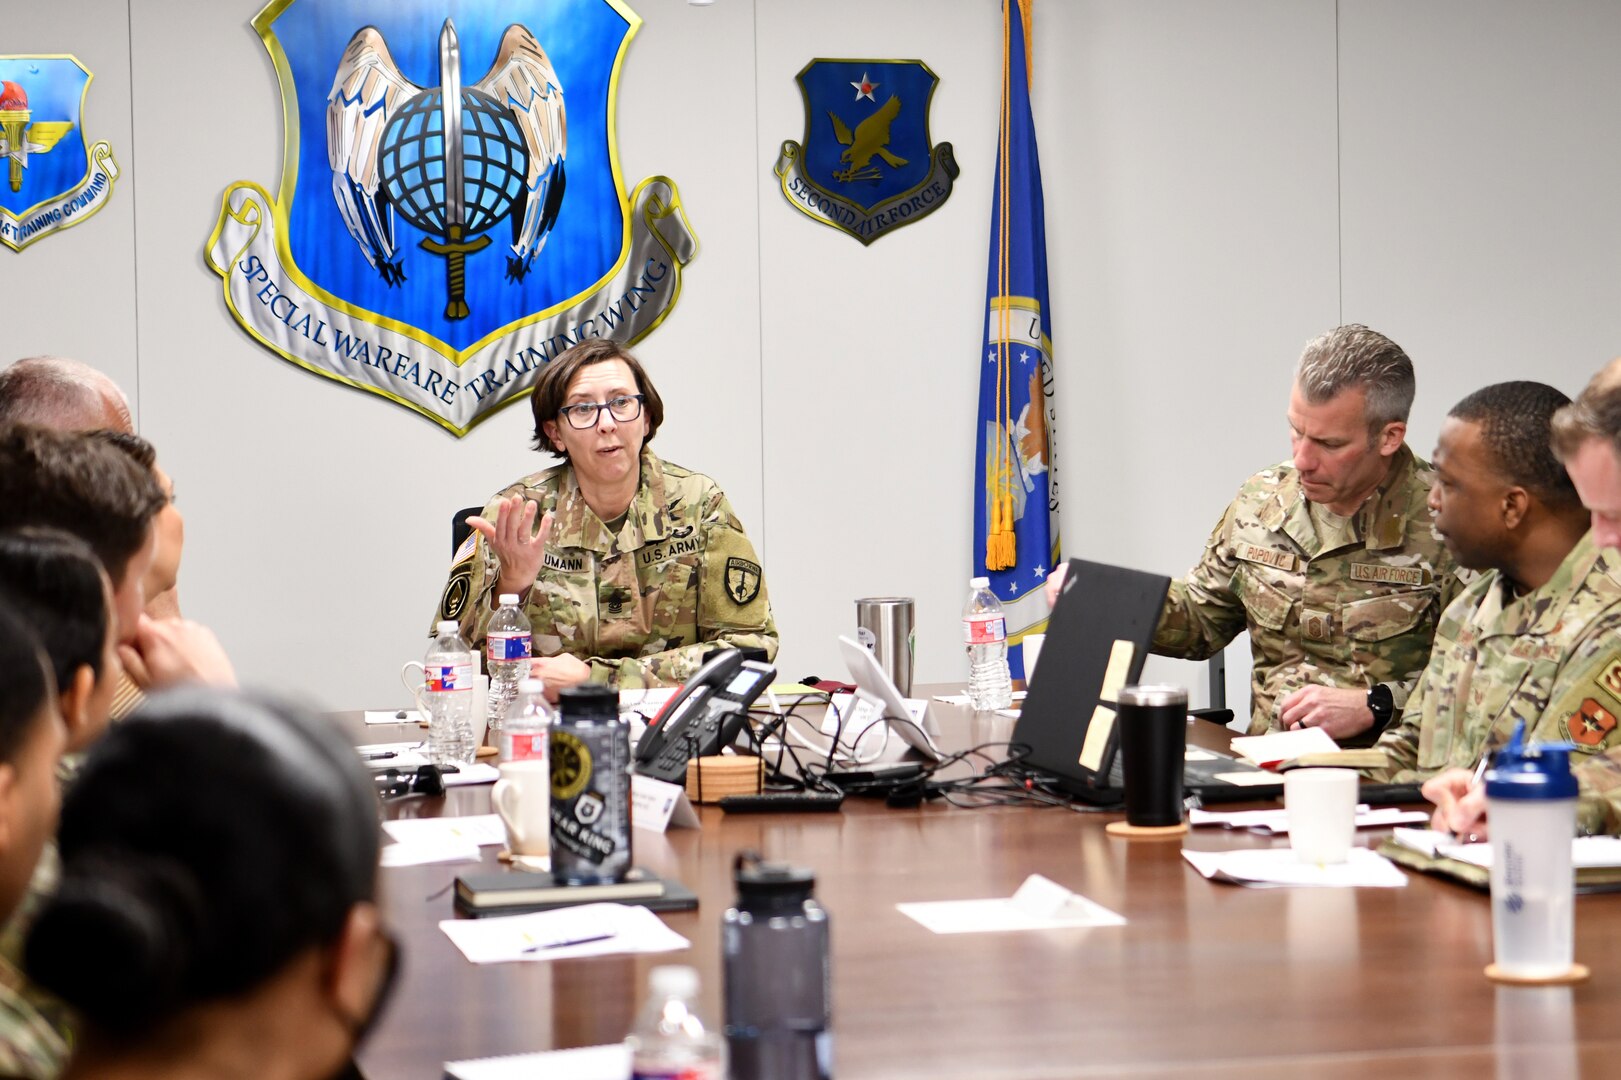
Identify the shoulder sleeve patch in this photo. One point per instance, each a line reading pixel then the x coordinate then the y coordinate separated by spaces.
pixel 1590 724
pixel 742 580
pixel 465 552
pixel 457 591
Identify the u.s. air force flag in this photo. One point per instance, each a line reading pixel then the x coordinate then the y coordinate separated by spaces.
pixel 1015 479
pixel 451 214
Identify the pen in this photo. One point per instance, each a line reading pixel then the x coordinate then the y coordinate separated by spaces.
pixel 381 755
pixel 542 946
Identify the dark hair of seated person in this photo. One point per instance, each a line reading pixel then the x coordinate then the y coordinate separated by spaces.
pixel 212 843
pixel 54 581
pixel 29 696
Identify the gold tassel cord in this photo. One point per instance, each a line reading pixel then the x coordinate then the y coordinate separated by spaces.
pixel 1001 543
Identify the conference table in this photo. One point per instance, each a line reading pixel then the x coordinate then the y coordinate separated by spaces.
pixel 1204 979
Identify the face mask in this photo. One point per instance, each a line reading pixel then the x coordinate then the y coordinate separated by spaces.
pixel 361 1028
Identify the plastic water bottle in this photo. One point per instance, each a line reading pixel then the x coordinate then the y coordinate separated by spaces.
pixel 984 631
pixel 774 944
pixel 448 694
pixel 669 1042
pixel 506 656
pixel 1531 807
pixel 528 729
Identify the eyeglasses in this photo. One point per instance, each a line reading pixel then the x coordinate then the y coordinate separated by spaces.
pixel 586 414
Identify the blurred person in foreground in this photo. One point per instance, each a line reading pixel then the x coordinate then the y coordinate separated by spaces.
pixel 228 925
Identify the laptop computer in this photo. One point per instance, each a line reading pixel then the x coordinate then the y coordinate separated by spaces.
pixel 1098 638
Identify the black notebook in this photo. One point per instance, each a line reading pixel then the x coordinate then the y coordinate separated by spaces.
pixel 515 892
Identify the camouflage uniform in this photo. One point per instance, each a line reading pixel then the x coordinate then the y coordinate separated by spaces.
pixel 29 1047
pixel 1552 658
pixel 1599 810
pixel 642 606
pixel 1349 615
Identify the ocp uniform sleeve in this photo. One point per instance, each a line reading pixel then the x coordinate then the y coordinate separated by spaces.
pixel 1202 612
pixel 1584 703
pixel 468 593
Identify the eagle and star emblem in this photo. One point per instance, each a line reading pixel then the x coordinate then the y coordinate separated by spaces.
pixel 870 168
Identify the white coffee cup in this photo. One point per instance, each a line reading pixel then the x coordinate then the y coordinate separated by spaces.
pixel 1322 813
pixel 522 797
pixel 1032 650
pixel 413 676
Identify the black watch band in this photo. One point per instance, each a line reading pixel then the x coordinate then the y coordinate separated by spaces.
pixel 1382 705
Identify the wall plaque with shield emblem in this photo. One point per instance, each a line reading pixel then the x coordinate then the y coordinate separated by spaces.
pixel 50 178
pixel 451 214
pixel 866 166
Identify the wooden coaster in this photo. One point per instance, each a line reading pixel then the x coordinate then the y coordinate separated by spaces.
pixel 1145 832
pixel 1577 973
pixel 485 752
pixel 711 778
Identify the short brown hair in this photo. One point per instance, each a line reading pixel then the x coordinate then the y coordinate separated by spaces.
pixel 1595 414
pixel 551 391
pixel 85 486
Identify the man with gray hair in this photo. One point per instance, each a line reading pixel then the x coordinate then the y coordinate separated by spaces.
pixel 1329 560
pixel 55 392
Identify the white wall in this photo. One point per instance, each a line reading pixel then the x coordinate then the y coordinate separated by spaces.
pixel 1224 181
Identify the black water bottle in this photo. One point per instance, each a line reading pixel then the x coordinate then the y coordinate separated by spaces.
pixel 778 989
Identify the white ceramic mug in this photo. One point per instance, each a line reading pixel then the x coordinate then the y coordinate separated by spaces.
pixel 1032 651
pixel 1322 813
pixel 522 797
pixel 413 676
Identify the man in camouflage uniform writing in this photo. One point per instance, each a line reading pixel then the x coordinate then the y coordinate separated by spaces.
pixel 639 567
pixel 1586 436
pixel 1531 639
pixel 1328 560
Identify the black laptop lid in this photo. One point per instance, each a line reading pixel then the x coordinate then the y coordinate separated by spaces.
pixel 1102 613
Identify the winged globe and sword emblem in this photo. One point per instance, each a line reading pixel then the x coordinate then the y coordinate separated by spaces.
pixel 452 160
pixel 866 165
pixel 443 231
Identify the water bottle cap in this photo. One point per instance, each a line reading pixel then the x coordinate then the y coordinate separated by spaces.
pixel 508 598
pixel 449 626
pixel 759 880
pixel 673 980
pixel 588 701
pixel 979 583
pixel 1539 771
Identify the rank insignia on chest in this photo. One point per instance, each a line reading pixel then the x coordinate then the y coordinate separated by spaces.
pixel 616 602
pixel 1590 724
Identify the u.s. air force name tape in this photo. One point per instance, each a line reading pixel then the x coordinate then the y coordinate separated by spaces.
pixel 297 319
pixel 865 224
pixel 67 209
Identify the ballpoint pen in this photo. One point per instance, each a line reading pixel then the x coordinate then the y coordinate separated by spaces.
pixel 544 945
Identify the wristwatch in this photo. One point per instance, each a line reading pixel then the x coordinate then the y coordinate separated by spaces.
pixel 1382 705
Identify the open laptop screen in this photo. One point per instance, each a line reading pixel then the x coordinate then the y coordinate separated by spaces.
pixel 1097 639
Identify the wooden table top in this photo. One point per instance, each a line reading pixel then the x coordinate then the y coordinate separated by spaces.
pixel 1204 980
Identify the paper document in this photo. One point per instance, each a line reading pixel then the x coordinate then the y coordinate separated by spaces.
pixel 479 830
pixel 563 934
pixel 962 699
pixel 394 755
pixel 611 1062
pixel 477 773
pixel 1249 779
pixel 433 851
pixel 1269 822
pixel 1283 745
pixel 1039 904
pixel 849 717
pixel 395 716
pixel 1586 852
pixel 1267 867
